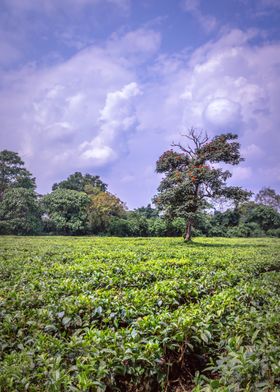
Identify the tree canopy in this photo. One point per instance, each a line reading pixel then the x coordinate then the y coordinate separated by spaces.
pixel 268 197
pixel 82 183
pixel 191 180
pixel 147 212
pixel 103 207
pixel 94 210
pixel 20 212
pixel 13 174
pixel 65 211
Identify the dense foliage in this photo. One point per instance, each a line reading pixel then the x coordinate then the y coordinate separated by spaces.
pixel 82 183
pixel 13 173
pixel 19 207
pixel 20 212
pixel 103 207
pixel 268 197
pixel 66 211
pixel 191 180
pixel 96 314
pixel 81 204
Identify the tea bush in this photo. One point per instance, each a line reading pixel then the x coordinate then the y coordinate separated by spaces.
pixel 123 314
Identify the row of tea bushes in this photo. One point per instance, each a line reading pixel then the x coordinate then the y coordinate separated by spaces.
pixel 103 314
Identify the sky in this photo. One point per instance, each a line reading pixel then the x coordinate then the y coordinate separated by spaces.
pixel 105 86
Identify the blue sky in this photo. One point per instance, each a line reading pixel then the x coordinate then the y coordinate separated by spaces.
pixel 105 86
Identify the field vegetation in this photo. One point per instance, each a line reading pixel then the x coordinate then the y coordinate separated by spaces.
pixel 157 314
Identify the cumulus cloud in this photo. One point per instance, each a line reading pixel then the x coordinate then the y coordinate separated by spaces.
pixel 120 106
pixel 116 118
pixel 223 112
pixel 115 112
pixel 225 85
pixel 76 114
pixel 230 84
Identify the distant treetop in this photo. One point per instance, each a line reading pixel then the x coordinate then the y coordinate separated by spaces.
pixel 82 183
pixel 268 197
pixel 13 173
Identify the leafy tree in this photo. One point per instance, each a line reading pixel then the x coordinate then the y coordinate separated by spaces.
pixel 268 197
pixel 265 216
pixel 119 227
pixel 103 207
pixel 66 211
pixel 20 212
pixel 190 181
pixel 148 212
pixel 13 174
pixel 139 226
pixel 273 232
pixel 203 222
pixel 157 227
pixel 228 218
pixel 82 183
pixel 244 230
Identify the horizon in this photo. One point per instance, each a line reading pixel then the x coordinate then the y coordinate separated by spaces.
pixel 105 87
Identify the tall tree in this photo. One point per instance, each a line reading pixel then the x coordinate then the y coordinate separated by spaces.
pixel 268 197
pixel 191 181
pixel 265 216
pixel 82 183
pixel 103 207
pixel 65 211
pixel 20 212
pixel 13 173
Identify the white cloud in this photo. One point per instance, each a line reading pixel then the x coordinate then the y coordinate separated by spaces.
pixel 222 112
pixel 60 131
pixel 207 22
pixel 76 114
pixel 226 85
pixel 116 118
pixel 232 85
pixel 137 44
pixel 97 152
pixel 115 110
pixel 109 107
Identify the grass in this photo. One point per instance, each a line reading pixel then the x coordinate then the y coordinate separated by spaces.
pixel 155 314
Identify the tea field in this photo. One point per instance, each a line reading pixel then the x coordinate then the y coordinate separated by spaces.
pixel 155 314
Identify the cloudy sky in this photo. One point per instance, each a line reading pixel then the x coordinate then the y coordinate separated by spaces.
pixel 105 86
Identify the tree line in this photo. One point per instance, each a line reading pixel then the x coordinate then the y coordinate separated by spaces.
pixel 187 198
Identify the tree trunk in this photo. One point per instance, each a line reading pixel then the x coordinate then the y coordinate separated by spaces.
pixel 188 233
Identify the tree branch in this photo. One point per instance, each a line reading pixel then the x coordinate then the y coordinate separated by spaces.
pixel 179 145
pixel 197 138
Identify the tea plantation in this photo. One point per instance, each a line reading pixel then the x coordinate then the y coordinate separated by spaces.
pixel 109 314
